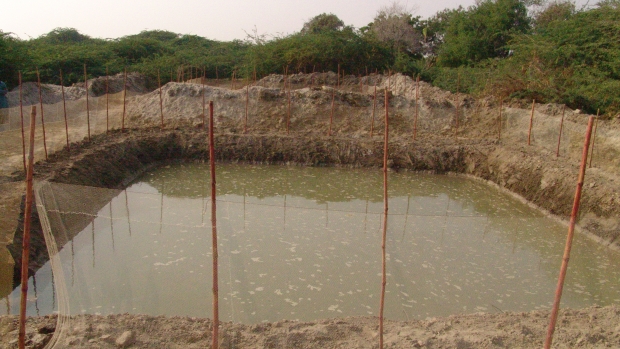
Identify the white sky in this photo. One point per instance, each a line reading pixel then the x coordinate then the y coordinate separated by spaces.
pixel 222 20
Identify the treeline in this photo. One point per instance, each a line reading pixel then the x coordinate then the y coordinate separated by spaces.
pixel 525 49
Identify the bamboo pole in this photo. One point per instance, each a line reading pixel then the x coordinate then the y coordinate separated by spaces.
pixel 458 104
pixel 42 119
pixel 288 117
pixel 338 77
pixel 64 107
pixel 499 119
pixel 385 218
pixel 594 137
pixel 417 107
pixel 569 237
pixel 161 102
pixel 124 99
pixel 374 108
pixel 204 113
pixel 529 133
pixel 361 83
pixel 557 152
pixel 247 99
pixel 21 114
pixel 216 315
pixel 87 107
pixel 331 115
pixel 26 238
pixel 107 100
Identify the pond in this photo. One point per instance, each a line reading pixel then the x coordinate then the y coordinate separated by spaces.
pixel 304 243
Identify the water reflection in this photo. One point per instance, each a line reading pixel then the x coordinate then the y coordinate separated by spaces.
pixel 304 243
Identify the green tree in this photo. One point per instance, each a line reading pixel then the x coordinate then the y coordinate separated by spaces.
pixel 482 32
pixel 321 23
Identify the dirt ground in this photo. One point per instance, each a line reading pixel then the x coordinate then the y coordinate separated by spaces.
pixel 297 125
pixel 584 328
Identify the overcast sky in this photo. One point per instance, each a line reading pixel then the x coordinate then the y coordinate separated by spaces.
pixel 220 20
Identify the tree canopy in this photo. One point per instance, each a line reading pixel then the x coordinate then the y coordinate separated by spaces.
pixel 553 53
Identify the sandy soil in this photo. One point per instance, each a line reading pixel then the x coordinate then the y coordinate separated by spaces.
pixel 584 328
pixel 533 172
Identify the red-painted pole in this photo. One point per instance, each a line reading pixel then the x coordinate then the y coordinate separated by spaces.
pixel 87 108
pixel 288 117
pixel 557 152
pixel 107 99
pixel 417 108
pixel 458 104
pixel 247 98
pixel 26 238
pixel 161 102
pixel 374 108
pixel 124 101
pixel 338 77
pixel 216 314
pixel 21 114
pixel 385 219
pixel 499 119
pixel 594 137
pixel 42 118
pixel 204 103
pixel 64 108
pixel 569 237
pixel 331 115
pixel 529 133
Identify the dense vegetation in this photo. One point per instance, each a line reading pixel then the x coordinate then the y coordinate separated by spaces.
pixel 550 52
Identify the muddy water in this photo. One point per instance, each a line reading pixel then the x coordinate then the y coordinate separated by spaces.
pixel 304 243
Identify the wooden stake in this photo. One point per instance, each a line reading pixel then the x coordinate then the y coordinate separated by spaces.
pixel 385 219
pixel 331 115
pixel 124 99
pixel 569 237
pixel 374 108
pixel 529 133
pixel 204 113
pixel 288 117
pixel 458 104
pixel 415 118
pixel 247 99
pixel 594 137
pixel 42 119
pixel 107 99
pixel 87 108
pixel 64 107
pixel 361 84
pixel 26 238
pixel 557 152
pixel 338 77
pixel 216 313
pixel 499 119
pixel 161 102
pixel 21 114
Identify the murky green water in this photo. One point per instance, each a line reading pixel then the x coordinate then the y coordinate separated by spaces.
pixel 304 243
